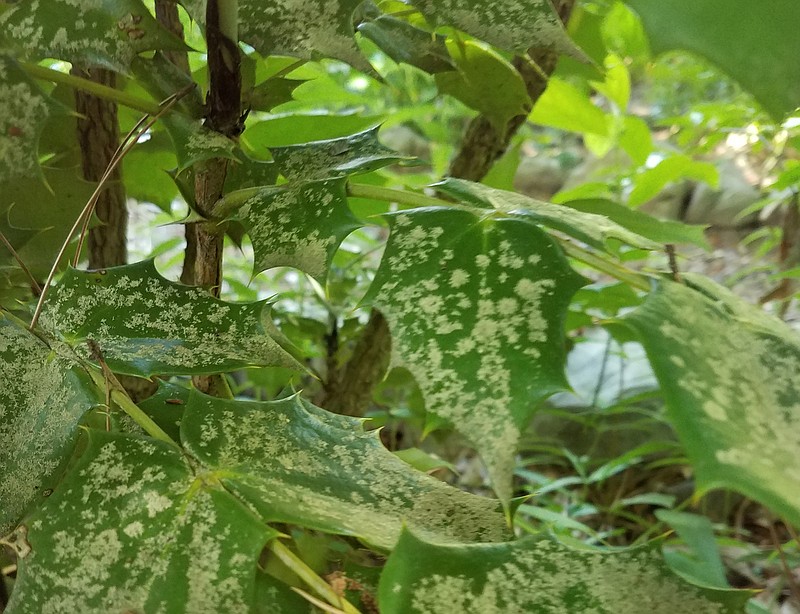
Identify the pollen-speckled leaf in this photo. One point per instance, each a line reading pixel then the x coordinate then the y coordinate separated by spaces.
pixel 588 227
pixel 357 153
pixel 513 25
pixel 731 377
pixel 25 109
pixel 300 28
pixel 299 225
pixel 42 398
pixel 299 464
pixel 133 529
pixel 539 575
pixel 84 31
pixel 476 308
pixel 146 325
pixel 403 42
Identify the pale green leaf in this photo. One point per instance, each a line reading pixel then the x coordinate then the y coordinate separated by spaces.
pixel 43 396
pixel 564 106
pixel 651 181
pixel 539 575
pixel 134 529
pixel 284 129
pixel 406 43
pixel 730 375
pixel 476 308
pixel 146 325
pixel 299 464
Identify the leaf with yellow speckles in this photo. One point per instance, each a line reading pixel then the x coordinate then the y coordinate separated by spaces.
pixel 110 34
pixel 731 377
pixel 539 575
pixel 42 399
pixel 296 463
pixel 146 325
pixel 476 307
pixel 134 529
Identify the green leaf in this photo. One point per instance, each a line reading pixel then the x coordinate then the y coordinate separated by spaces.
pixel 486 82
pixel 285 129
pixel 680 166
pixel 299 225
pixel 25 111
pixel 731 377
pixel 157 538
pixel 660 231
pixel 166 407
pixel 476 307
pixel 42 399
pixel 357 153
pixel 405 43
pixel 514 26
pixel 84 32
pixel 564 106
pixel 296 463
pixel 146 325
pixel 271 93
pixel 146 169
pixel 588 227
pixel 761 54
pixel 703 563
pixel 538 575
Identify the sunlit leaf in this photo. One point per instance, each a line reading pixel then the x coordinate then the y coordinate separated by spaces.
pixel 476 308
pixel 299 464
pixel 731 377
pixel 651 181
pixel 539 575
pixel 42 399
pixel 146 325
pixel 284 129
pixel 564 106
pixel 156 538
pixel 403 42
pixel 299 225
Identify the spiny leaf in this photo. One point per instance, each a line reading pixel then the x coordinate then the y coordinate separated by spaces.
pixel 297 463
pixel 731 378
pixel 25 111
pixel 357 153
pixel 298 225
pixel 147 325
pixel 588 227
pixel 42 399
pixel 513 25
pixel 476 308
pixel 84 31
pixel 133 529
pixel 539 575
pixel 405 43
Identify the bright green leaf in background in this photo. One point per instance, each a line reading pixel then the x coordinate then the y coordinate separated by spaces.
pixel 651 181
pixel 476 307
pixel 756 43
pixel 542 576
pixel 295 463
pixel 731 378
pixel 147 325
pixel 564 106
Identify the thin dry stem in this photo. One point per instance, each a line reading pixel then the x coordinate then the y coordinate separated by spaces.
pixel 25 269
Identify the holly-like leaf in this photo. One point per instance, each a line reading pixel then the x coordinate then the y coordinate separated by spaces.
pixel 42 399
pixel 146 325
pixel 156 537
pixel 513 25
pixel 297 463
pixel 299 225
pixel 84 31
pixel 731 377
pixel 476 307
pixel 486 82
pixel 358 153
pixel 403 42
pixel 588 227
pixel 539 575
pixel 760 55
pixel 25 111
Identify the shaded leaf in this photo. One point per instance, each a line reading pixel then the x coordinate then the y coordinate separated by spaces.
pixel 588 227
pixel 42 399
pixel 299 225
pixel 166 407
pixel 405 43
pixel 147 325
pixel 731 377
pixel 158 537
pixel 650 182
pixel 539 575
pixel 271 93
pixel 761 56
pixel 297 463
pixel 476 307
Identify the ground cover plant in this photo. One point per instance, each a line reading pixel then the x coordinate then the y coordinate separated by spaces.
pixel 197 442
